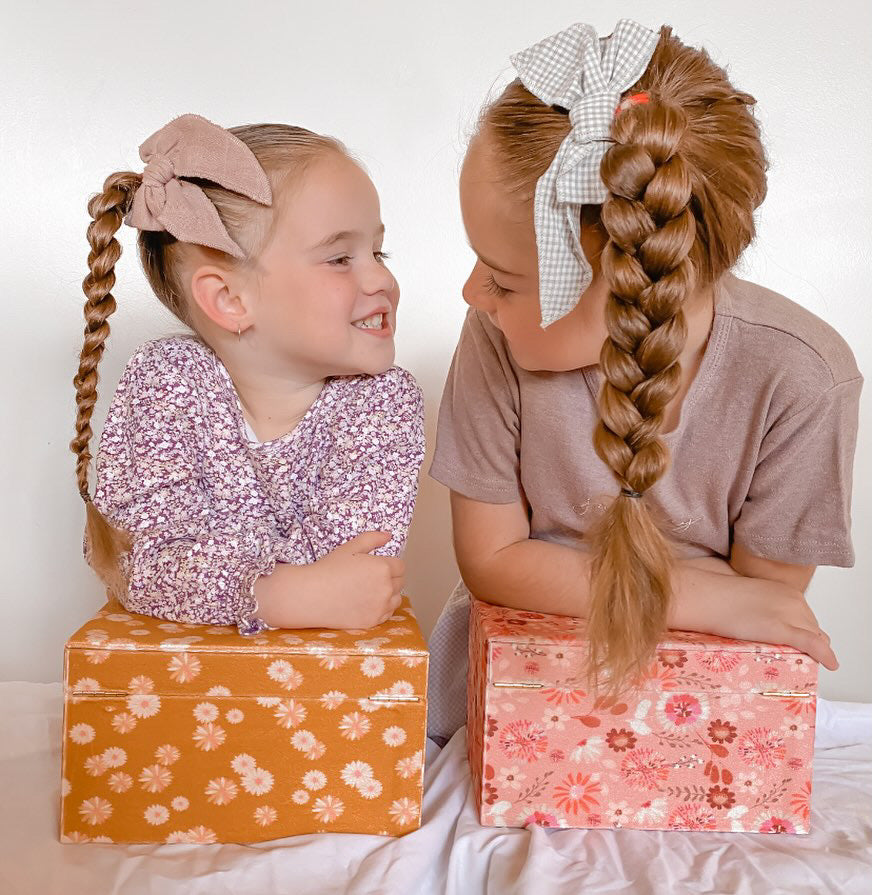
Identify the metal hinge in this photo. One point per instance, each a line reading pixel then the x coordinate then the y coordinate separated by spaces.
pixel 787 694
pixel 394 698
pixel 113 693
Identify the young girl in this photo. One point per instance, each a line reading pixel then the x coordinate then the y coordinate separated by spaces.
pixel 630 433
pixel 261 471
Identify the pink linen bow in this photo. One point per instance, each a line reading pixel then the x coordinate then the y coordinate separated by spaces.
pixel 191 146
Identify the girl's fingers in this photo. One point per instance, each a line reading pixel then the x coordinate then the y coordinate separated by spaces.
pixel 815 644
pixel 395 565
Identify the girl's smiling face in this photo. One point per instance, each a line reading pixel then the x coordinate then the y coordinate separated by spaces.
pixel 504 283
pixel 323 301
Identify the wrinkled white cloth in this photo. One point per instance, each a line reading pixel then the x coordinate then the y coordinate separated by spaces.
pixel 451 853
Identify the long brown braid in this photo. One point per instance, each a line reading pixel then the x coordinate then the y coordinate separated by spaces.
pixel 648 267
pixel 107 210
pixel 685 173
pixel 284 151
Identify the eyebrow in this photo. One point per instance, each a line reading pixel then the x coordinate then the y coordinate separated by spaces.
pixel 333 238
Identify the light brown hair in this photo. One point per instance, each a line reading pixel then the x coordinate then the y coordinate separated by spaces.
pixel 284 152
pixel 684 174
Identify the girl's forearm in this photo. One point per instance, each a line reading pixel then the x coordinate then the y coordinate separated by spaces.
pixel 531 574
pixel 553 578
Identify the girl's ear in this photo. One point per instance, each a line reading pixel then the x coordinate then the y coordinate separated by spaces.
pixel 214 291
pixel 593 234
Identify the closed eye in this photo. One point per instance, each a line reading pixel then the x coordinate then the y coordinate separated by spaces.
pixel 494 287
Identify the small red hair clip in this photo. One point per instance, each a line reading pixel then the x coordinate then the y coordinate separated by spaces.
pixel 633 100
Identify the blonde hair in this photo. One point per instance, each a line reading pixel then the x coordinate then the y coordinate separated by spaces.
pixel 684 174
pixel 284 152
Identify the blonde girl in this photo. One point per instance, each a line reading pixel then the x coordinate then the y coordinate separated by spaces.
pixel 630 432
pixel 260 470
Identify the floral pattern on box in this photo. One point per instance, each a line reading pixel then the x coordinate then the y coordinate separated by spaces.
pixel 696 745
pixel 194 734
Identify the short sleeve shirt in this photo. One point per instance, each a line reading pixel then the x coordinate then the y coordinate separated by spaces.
pixel 762 454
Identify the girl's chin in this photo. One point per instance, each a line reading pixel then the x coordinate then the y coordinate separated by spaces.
pixel 378 363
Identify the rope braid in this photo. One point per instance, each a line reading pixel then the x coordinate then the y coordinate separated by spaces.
pixel 107 210
pixel 648 266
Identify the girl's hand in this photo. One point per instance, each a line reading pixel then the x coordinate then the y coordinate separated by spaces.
pixel 748 609
pixel 357 589
pixel 348 588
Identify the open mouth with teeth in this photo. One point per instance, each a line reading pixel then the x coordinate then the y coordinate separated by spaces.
pixel 374 322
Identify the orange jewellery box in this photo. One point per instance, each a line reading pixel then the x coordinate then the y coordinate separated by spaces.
pixel 193 733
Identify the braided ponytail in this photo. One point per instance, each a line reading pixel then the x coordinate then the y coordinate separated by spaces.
pixel 104 544
pixel 647 265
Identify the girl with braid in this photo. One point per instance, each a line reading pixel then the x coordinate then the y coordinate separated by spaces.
pixel 262 469
pixel 631 433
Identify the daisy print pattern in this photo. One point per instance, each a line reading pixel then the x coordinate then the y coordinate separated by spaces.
pixel 314 780
pixel 257 782
pixel 114 756
pixel 143 705
pixel 328 809
pixel 372 666
pixel 404 811
pixel 209 736
pixel 95 811
pixel 354 725
pixel 394 736
pixel 155 778
pixel 156 815
pixel 205 711
pixel 81 734
pixel 120 782
pixel 355 773
pixel 184 736
pixel 221 791
pixel 333 699
pixel 243 763
pixel 123 722
pixel 167 754
pixel 265 815
pixel 290 713
pixel 285 674
pixel 184 668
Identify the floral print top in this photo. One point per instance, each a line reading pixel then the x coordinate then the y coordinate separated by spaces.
pixel 209 511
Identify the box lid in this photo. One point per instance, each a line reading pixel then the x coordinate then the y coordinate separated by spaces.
pixel 120 653
pixel 540 651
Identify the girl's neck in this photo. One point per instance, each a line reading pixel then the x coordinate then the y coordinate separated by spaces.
pixel 273 401
pixel 699 316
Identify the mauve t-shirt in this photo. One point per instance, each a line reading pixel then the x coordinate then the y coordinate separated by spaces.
pixel 762 454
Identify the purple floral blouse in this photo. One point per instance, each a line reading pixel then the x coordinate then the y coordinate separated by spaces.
pixel 209 511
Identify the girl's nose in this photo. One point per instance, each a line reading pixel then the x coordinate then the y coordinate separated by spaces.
pixel 378 278
pixel 475 294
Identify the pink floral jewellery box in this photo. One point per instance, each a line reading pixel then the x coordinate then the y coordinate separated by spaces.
pixel 195 734
pixel 718 735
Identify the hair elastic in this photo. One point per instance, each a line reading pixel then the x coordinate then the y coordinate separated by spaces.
pixel 634 100
pixel 627 492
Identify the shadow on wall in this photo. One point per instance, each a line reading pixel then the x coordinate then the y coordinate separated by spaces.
pixel 431 572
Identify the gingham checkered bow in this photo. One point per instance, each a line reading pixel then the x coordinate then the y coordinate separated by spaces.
pixel 586 75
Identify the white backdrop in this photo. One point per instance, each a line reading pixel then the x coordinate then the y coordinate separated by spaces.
pixel 400 83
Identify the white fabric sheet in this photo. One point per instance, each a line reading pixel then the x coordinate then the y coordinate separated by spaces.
pixel 451 853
